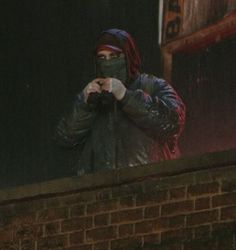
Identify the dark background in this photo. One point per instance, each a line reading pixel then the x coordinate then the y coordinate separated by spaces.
pixel 46 58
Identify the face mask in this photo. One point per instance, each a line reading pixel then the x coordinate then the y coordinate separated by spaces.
pixel 115 68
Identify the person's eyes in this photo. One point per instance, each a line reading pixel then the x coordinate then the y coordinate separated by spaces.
pixel 111 56
pixel 115 55
pixel 101 57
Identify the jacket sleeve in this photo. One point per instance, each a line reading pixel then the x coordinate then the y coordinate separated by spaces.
pixel 156 108
pixel 73 129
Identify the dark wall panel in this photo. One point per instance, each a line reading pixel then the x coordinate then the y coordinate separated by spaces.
pixel 207 82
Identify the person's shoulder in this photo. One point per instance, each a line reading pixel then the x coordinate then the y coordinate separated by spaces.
pixel 151 83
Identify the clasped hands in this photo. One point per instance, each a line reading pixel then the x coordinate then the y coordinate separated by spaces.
pixel 112 85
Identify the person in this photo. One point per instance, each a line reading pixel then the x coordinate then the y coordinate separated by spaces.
pixel 122 118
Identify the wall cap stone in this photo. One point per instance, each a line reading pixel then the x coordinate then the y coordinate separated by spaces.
pixel 117 177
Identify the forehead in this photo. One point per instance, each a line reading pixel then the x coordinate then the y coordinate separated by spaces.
pixel 106 52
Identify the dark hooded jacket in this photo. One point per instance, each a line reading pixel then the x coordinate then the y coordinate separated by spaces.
pixel 141 128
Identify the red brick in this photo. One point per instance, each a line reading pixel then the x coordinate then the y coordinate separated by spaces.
pixel 177 208
pixel 202 231
pixel 126 243
pixel 152 212
pixel 103 195
pixel 201 245
pixel 202 189
pixel 27 244
pixel 52 228
pixel 223 229
pixel 159 246
pixel 52 202
pixel 125 190
pixel 102 206
pixel 99 234
pixel 169 182
pixel 152 238
pixel 152 226
pixel 176 221
pixel 126 202
pixel 29 218
pixel 151 198
pixel 77 238
pixel 224 226
pixel 177 193
pixel 202 203
pixel 228 213
pixel 17 219
pixel 80 247
pixel 9 245
pixel 77 211
pixel 77 224
pixel 101 220
pixel 76 199
pixel 6 235
pixel 24 207
pixel 171 245
pixel 224 200
pixel 151 185
pixel 203 177
pixel 7 210
pixel 27 231
pixel 176 235
pixel 226 242
pixel 53 242
pixel 176 180
pixel 6 218
pixel 101 246
pixel 126 230
pixel 127 215
pixel 202 217
pixel 52 214
pixel 229 185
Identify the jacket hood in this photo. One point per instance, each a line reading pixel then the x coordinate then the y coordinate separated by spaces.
pixel 122 40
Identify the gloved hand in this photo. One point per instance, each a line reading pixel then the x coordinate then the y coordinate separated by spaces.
pixel 92 87
pixel 113 85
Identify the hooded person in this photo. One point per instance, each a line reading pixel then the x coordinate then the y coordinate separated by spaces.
pixel 122 118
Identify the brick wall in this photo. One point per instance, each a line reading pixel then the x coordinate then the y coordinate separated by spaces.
pixel 186 204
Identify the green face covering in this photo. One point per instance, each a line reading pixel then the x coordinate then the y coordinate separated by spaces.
pixel 115 68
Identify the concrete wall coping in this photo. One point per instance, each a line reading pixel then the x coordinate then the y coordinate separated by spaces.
pixel 117 177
